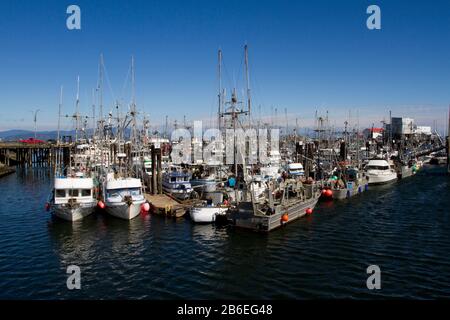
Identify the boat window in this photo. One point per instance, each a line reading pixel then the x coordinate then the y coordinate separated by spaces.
pixel 123 192
pixel 73 192
pixel 173 179
pixel 377 167
pixel 135 191
pixel 60 193
pixel 85 192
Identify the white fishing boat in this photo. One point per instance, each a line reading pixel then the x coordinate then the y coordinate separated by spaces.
pixel 123 196
pixel 378 171
pixel 73 198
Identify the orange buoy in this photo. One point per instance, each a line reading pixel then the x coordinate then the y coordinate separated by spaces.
pixel 285 217
pixel 101 204
pixel 329 193
pixel 324 192
pixel 309 211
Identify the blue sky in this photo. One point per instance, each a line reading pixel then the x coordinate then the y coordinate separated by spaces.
pixel 304 55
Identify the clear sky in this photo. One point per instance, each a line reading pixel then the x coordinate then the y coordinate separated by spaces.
pixel 304 55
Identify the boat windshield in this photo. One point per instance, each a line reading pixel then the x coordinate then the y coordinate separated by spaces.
pixel 123 192
pixel 377 167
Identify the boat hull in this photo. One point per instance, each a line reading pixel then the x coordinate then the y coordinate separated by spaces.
pixel 382 179
pixel 244 217
pixel 205 214
pixel 73 214
pixel 123 210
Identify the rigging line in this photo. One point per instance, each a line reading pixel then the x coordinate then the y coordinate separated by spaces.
pixel 108 82
pixel 125 83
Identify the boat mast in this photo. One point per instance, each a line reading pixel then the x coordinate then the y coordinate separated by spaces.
pixel 59 113
pixel 133 104
pixel 77 104
pixel 247 78
pixel 93 113
pixel 100 89
pixel 220 90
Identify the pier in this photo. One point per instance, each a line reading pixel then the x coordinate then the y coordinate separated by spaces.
pixel 30 155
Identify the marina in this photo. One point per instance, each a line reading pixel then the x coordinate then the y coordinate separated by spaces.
pixel 236 151
pixel 168 258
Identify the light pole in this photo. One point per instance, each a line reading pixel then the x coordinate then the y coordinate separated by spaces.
pixel 35 123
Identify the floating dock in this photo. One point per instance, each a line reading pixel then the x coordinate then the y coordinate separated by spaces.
pixel 166 205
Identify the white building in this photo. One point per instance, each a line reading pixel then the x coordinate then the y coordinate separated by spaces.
pixel 423 130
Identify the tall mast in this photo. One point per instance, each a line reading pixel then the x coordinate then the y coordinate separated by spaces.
pixel 133 103
pixel 76 108
pixel 93 113
pixel 59 112
pixel 287 123
pixel 247 78
pixel 220 89
pixel 100 87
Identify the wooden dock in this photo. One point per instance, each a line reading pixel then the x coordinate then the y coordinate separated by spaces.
pixel 32 155
pixel 166 205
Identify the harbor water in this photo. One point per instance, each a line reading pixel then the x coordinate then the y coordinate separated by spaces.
pixel 404 228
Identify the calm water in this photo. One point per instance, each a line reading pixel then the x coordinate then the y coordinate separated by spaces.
pixel 404 228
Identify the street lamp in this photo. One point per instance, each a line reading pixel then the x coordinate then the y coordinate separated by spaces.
pixel 35 123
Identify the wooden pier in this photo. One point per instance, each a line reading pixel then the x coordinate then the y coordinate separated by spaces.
pixel 31 155
pixel 166 205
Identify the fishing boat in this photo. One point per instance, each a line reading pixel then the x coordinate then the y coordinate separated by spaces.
pixel 284 203
pixel 123 196
pixel 208 211
pixel 73 198
pixel 295 169
pixel 379 171
pixel 346 183
pixel 176 183
pixel 204 179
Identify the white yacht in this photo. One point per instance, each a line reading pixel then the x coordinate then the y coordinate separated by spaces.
pixel 123 196
pixel 378 171
pixel 73 198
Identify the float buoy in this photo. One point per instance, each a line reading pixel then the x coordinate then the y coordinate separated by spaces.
pixel 101 204
pixel 309 211
pixel 285 217
pixel 145 207
pixel 329 193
